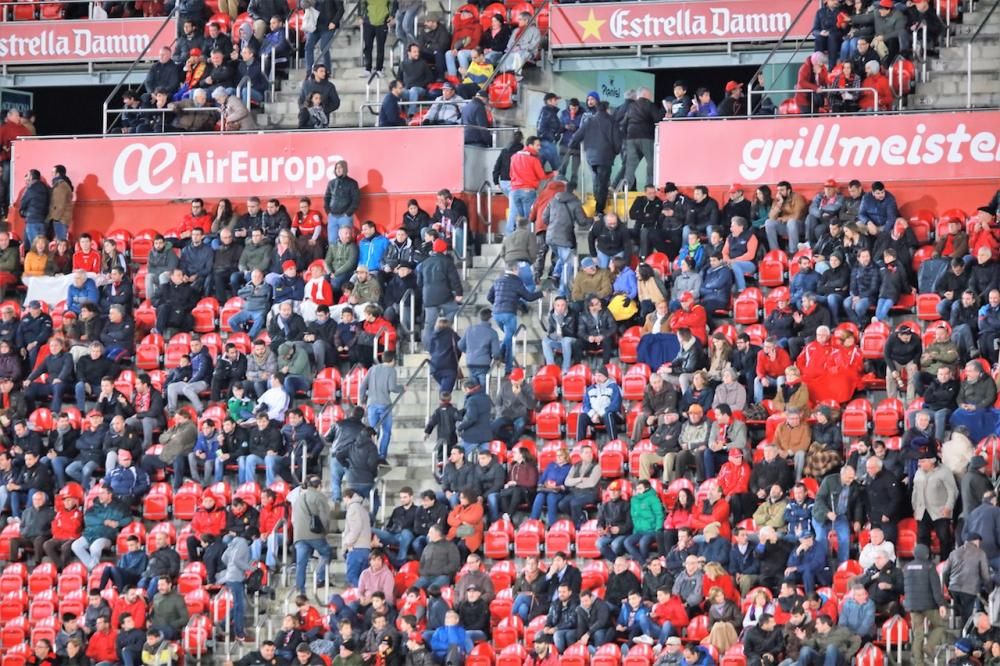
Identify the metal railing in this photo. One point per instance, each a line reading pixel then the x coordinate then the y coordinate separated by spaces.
pixel 140 111
pixel 968 52
pixel 485 191
pixel 131 68
pixel 808 4
pixel 507 53
pixel 818 91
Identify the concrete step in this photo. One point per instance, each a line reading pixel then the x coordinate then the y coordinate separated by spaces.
pixel 967 29
pixel 956 83
pixel 982 49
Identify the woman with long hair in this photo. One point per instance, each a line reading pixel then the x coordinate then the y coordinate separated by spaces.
pixel 522 482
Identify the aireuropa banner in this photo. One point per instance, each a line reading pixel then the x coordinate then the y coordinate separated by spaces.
pixel 664 23
pixel 44 42
pixel 940 146
pixel 150 167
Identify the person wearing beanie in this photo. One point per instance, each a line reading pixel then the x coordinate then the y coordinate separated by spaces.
pixel 441 287
pixel 924 600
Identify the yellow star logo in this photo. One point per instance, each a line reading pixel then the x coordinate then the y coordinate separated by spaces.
pixel 591 27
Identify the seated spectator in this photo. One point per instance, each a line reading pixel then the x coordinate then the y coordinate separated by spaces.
pixel 601 406
pixel 793 393
pixel 813 77
pixel 792 437
pixel 878 208
pixel 976 397
pixel 786 217
pixel 596 329
pixel 523 46
pixel 552 487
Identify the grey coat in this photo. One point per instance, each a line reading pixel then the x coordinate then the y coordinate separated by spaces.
pixel 309 500
pixel 561 216
pixel 519 246
pixel 480 344
pixel 237 560
pixel 967 570
pixel 934 492
pixel 357 525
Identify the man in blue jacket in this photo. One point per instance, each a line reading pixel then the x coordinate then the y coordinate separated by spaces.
pixel 450 637
pixel 201 377
pixel 878 208
pixel 101 524
pixel 858 613
pixel 83 290
pixel 371 247
pixel 602 403
pixel 506 295
pixel 389 114
pixel 808 564
pixel 865 281
pixel 475 427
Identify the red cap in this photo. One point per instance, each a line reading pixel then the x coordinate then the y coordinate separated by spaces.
pixel 440 245
pixel 830 182
pixel 735 187
pixel 687 297
pixel 517 375
pixel 318 262
pixel 95 412
pixel 886 4
pixel 733 85
pixel 288 265
pixel 194 52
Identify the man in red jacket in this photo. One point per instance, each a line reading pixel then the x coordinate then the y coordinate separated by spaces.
pixel 101 646
pixel 771 363
pixel 11 129
pixel 691 316
pixel 130 603
pixel 715 509
pixel 526 174
pixel 66 528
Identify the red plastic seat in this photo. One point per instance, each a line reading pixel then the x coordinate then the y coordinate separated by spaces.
pixel 575 382
pixel 697 629
pixel 634 382
pixel 927 307
pixel 628 344
pixel 548 424
pixel 586 540
pixel 560 537
pixel 528 539
pixel 888 417
pixel 856 418
pixel 512 655
pixel 612 459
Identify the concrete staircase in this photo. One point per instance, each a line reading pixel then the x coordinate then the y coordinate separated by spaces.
pixel 353 88
pixel 947 84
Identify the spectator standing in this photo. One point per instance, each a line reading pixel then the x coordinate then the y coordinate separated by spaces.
pixel 310 515
pixel 375 16
pixel 526 175
pixel 375 393
pixel 601 141
pixel 934 497
pixel 441 288
pixel 341 201
pixel 506 295
pixel 34 206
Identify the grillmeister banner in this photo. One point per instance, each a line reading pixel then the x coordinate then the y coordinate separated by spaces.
pixel 666 23
pixel 44 42
pixel 940 146
pixel 149 167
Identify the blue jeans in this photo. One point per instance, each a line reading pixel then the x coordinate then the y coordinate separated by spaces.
pixel 32 230
pixel 248 467
pixel 239 610
pixel 376 412
pixel 566 344
pixel 638 546
pixel 740 270
pixel 843 529
pixel 295 383
pixel 563 264
pixel 549 153
pixel 321 38
pixel 882 308
pixel 357 560
pixel 303 551
pixel 501 425
pixel 334 223
pixel 81 472
pixel 493 506
pixel 520 204
pixel 604 260
pixel 479 372
pixel 856 309
pixel 453 61
pixel 401 540
pixel 212 473
pixel 508 322
pixel 810 657
pixel 611 546
pixel 239 320
pixel 550 501
pixel 337 472
pixel 527 275
pixel 522 606
pixel 834 303
pixel 414 94
pixel 424 582
pixel 274 542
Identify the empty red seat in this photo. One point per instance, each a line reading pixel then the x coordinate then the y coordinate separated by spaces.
pixel 528 540
pixel 628 344
pixel 773 269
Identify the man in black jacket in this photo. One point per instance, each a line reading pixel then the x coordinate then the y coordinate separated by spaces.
pixel 593 620
pixel 164 73
pixel 602 142
pixel 902 353
pixel 401 528
pixel 561 621
pixel 639 129
pixel 702 213
pixel 609 238
pixel 231 368
pixel 174 302
pixel 90 370
pixel 58 368
pixel 762 642
pixel 431 512
pixel 416 76
pixel 342 198
pixel 319 83
pixel 341 437
pixel 884 498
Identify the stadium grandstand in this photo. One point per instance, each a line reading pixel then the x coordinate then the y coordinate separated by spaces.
pixel 523 333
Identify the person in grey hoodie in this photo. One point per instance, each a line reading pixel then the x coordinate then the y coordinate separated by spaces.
pixel 236 559
pixel 481 346
pixel 561 217
pixel 161 262
pixel 688 585
pixel 381 381
pixel 310 510
pixel 357 536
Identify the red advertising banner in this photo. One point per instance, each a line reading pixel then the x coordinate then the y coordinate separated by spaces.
pixel 665 23
pixel 44 42
pixel 143 168
pixel 908 147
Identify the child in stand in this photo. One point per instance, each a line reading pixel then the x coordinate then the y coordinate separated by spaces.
pixel 444 419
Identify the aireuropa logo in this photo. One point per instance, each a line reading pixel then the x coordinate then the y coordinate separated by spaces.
pixel 825 147
pixel 147 169
pixel 139 168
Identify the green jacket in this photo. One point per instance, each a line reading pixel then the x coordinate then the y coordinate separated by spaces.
pixel 647 512
pixel 256 256
pixel 93 521
pixel 298 364
pixel 10 261
pixel 939 354
pixel 341 258
pixel 376 12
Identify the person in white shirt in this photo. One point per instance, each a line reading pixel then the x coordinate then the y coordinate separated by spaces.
pixel 867 557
